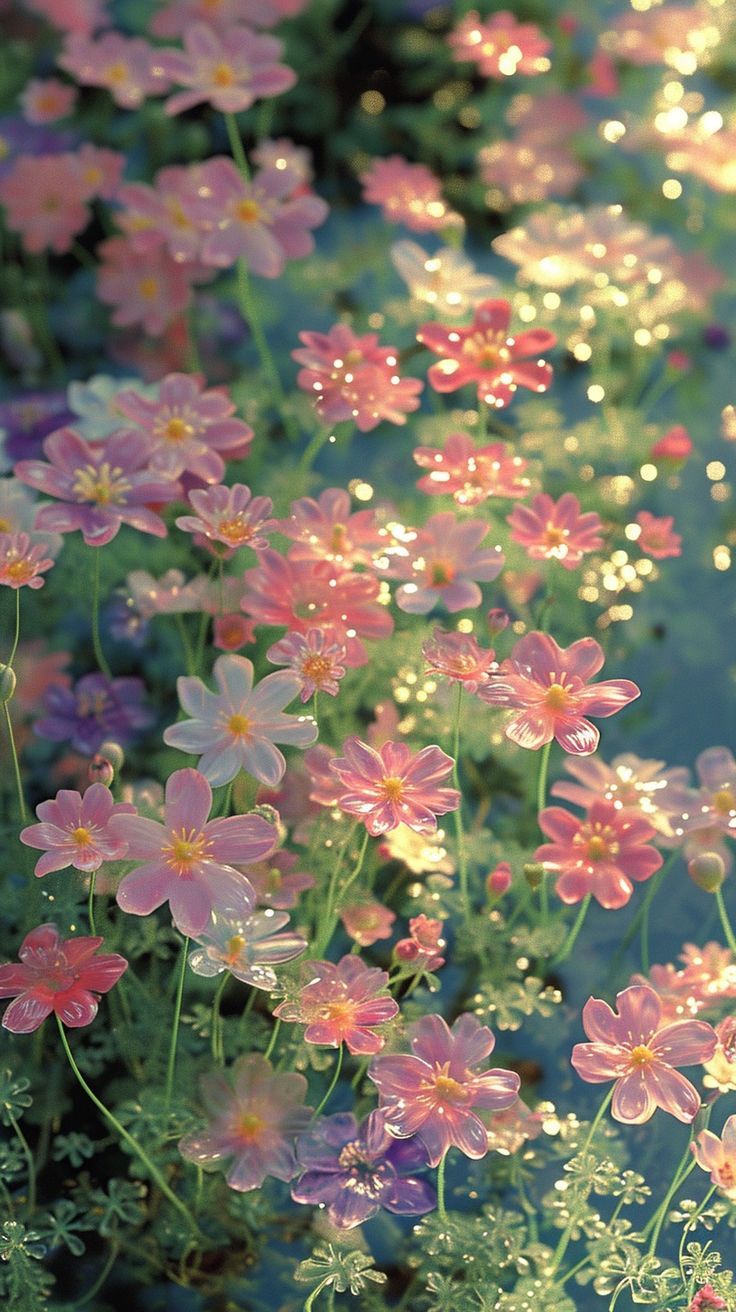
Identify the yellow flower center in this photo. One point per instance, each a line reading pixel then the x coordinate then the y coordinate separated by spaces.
pixel 449 1090
pixel 238 725
pixel 117 73
pixel 186 848
pixel 641 1055
pixel 81 836
pixel 556 697
pixel 223 75
pixel 105 485
pixel 724 801
pixel 235 947
pixel 19 571
pixel 249 1126
pixel 441 573
pixel 5 526
pixel 393 787
pixel 597 848
pixel 235 531
pixel 247 211
pixel 555 536
pixel 176 430
pixel 316 668
pixel 148 288
pixel 338 538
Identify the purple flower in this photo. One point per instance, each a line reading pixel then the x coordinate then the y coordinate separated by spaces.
pixel 27 420
pixel 356 1170
pixel 95 709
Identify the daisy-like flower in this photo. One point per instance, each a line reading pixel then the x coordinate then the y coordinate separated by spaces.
pixel 327 528
pixel 255 1113
pixel 432 1093
pixel 99 485
pixel 500 46
pixel 471 474
pixel 246 946
pixel 75 830
pixel 549 687
pixel 95 709
pixel 231 632
pixel 63 976
pixel 446 280
pixel 599 854
pixel 277 883
pixel 343 1003
pixel 22 561
pixel 352 377
pixel 634 1048
pixel 367 922
pixel 189 861
pixel 237 728
pixel 313 657
pixel 128 67
pixel 394 785
pixel 442 564
pixel 657 537
pixel 188 427
pixel 709 814
pixel 648 786
pixel 230 70
pixel 148 290
pixel 355 1170
pixel 44 200
pixel 424 946
pixel 45 100
pixel 556 530
pixel 485 354
pixel 229 517
pixel 408 194
pixel 459 658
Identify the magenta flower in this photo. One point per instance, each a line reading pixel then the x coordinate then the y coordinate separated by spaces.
pixel 599 854
pixel 556 530
pixel 188 427
pixel 230 70
pixel 351 377
pixel 57 975
pixel 549 686
pixel 22 561
pixel 719 1156
pixel 328 529
pixel 432 1092
pixel 485 354
pixel 443 562
pixel 265 222
pixel 500 46
pixel 459 658
pixel 256 1112
pixel 314 658
pixel 102 485
pixel 229 517
pixel 633 1048
pixel 471 474
pixel 246 946
pixel 189 861
pixel 408 194
pixel 657 537
pixel 76 831
pixel 238 728
pixel 342 1003
pixel 394 786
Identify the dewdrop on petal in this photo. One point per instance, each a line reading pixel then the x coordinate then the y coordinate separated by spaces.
pixel 707 870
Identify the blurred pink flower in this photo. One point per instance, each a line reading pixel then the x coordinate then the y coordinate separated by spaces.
pixel 367 922
pixel 459 658
pixel 229 516
pixel 238 728
pixel 283 153
pixel 556 530
pixel 128 67
pixel 314 658
pixel 549 686
pixel 101 170
pixel 424 947
pixel 71 15
pixel 45 100
pixel 221 15
pixel 675 445
pixel 485 354
pixel 719 1157
pixel 599 854
pixel 276 882
pixel 351 377
pixel 633 1048
pixel 708 815
pixel 720 1071
pixel 44 198
pixel 500 46
pixel 75 830
pixel 149 290
pixel 628 782
pixel 57 975
pixel 707 1300
pixel 394 786
pixel 528 169
pixel 509 1130
pixel 408 194
pixel 432 1092
pixel 230 70
pixel 37 670
pixel 231 632
pixel 442 563
pixel 22 561
pixel 471 474
pixel 165 214
pixel 327 528
pixel 676 36
pixel 189 427
pixel 343 1003
pixel 657 537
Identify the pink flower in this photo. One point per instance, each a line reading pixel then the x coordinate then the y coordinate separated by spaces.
pixel 485 354
pixel 188 427
pixel 707 1300
pixel 277 883
pixel 231 632
pixel 230 70
pixel 265 222
pixel 471 474
pixel 237 728
pixel 628 782
pixel 657 537
pixel 529 168
pixel 57 975
pixel 432 1092
pixel 44 198
pixel 256 1112
pixel 284 154
pixel 328 529
pixel 509 1130
pixel 148 290
pixel 549 685
pixel 128 67
pixel 500 46
pixel 166 214
pixel 222 15
pixel 709 815
pixel 76 831
pixel 676 36
pixel 442 563
pixel 675 445
pixel 499 880
pixel 230 516
pixel 599 854
pixel 394 786
pixel 408 194
pixel 313 658
pixel 424 946
pixel 351 377
pixel 343 1003
pixel 71 15
pixel 189 861
pixel 101 170
pixel 556 530
pixel 99 485
pixel 367 922
pixel 633 1048
pixel 22 562
pixel 44 100
pixel 304 594
pixel 458 657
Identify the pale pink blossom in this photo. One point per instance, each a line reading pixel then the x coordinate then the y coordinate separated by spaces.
pixel 471 474
pixel 408 194
pixel 170 594
pixel 229 518
pixel 221 15
pixel 599 854
pixel 277 883
pixel 75 830
pixel 229 70
pixel 458 658
pixel 247 946
pixel 549 687
pixel 101 170
pixel 45 100
pixel 166 214
pixel 708 815
pixel 509 1130
pixel 128 67
pixel 314 658
pixel 447 280
pixel 367 922
pixel 345 1003
pixel 486 354
pixel 657 537
pixel 327 528
pixel 351 377
pixel 44 198
pixel 442 565
pixel 83 16
pixel 674 35
pixel 500 46
pixel 191 427
pixel 284 154
pixel 421 853
pixel 149 290
pixel 527 170
pixel 630 782
pixel 634 1049
pixel 22 561
pixel 556 530
pixel 394 786
pixel 720 1071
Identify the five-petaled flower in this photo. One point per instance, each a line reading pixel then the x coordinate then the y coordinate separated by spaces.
pixel 57 975
pixel 598 854
pixel 556 530
pixel 394 786
pixel 75 830
pixel 719 1156
pixel 485 354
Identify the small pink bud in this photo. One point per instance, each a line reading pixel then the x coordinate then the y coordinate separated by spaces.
pixel 675 445
pixel 100 771
pixel 707 870
pixel 568 24
pixel 497 620
pixel 231 632
pixel 680 361
pixel 707 1300
pixel 498 881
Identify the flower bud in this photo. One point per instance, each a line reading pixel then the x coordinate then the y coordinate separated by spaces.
pixel 498 881
pixel 498 620
pixel 707 870
pixel 113 753
pixel 101 771
pixel 534 873
pixel 7 682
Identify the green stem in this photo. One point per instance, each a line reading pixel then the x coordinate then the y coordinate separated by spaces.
pixel 569 943
pixel 542 777
pixel 567 1232
pixel 462 857
pixel 725 922
pixel 16 766
pixel 29 1161
pixel 171 1066
pixel 441 1209
pixel 186 645
pixel 686 1165
pixel 309 1302
pixel 90 904
pixel 102 1277
pixel 333 1082
pixel 125 1136
pixel 310 453
pixel 334 898
pixel 652 888
pixel 693 1221
pixel 218 1052
pixel 273 1039
pixel 236 145
pixel 96 642
pixel 16 635
pixel 358 1076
